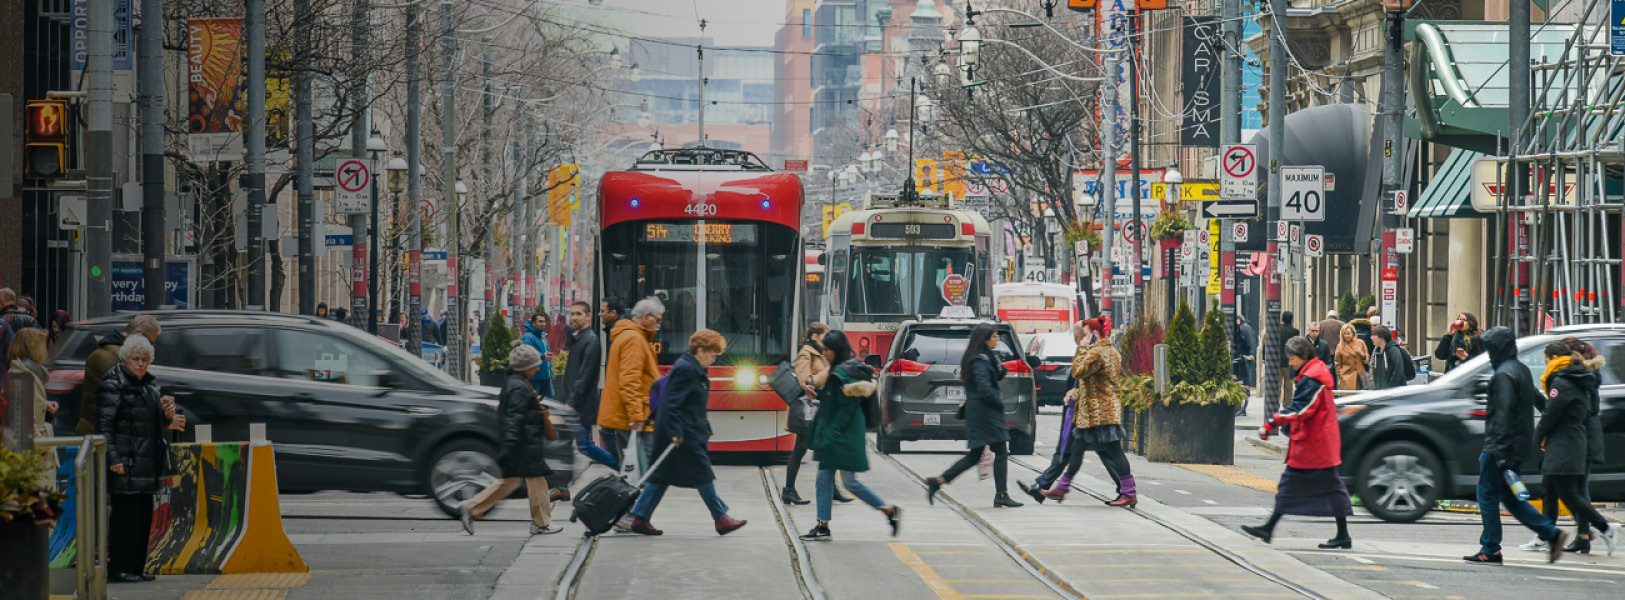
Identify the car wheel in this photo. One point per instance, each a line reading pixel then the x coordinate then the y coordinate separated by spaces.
pixel 459 470
pixel 1399 482
pixel 888 444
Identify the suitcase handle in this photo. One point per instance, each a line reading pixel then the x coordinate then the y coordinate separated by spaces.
pixel 651 470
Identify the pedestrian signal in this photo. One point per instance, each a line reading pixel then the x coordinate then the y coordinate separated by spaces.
pixel 45 155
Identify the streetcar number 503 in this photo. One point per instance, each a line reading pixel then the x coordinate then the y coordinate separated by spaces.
pixel 911 230
pixel 701 209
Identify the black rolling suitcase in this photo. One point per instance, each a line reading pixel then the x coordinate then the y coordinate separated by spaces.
pixel 606 499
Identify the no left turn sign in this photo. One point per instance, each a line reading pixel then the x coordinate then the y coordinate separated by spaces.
pixel 353 186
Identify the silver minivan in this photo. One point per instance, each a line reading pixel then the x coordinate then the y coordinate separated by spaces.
pixel 921 391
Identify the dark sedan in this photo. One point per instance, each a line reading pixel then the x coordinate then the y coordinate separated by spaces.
pixel 1406 448
pixel 345 410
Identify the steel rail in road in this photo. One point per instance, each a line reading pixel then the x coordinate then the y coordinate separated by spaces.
pixel 801 564
pixel 1199 540
pixel 1050 580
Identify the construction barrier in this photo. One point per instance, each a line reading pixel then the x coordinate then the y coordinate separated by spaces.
pixel 220 514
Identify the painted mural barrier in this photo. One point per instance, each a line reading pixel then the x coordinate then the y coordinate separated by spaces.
pixel 220 514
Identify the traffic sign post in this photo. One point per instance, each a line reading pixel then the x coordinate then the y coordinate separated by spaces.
pixel 1303 193
pixel 1238 173
pixel 352 186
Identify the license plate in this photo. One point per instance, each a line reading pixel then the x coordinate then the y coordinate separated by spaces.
pixel 933 419
pixel 954 393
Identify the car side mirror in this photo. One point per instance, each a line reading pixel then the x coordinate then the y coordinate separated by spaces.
pixel 1481 385
pixel 1032 361
pixel 872 360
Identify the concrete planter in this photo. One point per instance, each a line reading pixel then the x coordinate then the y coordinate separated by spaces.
pixel 25 572
pixel 1187 433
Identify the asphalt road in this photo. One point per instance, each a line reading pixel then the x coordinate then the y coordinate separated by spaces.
pixel 1183 542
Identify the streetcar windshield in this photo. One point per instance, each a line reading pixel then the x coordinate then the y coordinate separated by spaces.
pixel 748 271
pixel 908 282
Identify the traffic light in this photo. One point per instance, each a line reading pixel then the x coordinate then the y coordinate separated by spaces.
pixel 46 155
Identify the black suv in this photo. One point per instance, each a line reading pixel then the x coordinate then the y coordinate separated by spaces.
pixel 920 391
pixel 345 410
pixel 1406 448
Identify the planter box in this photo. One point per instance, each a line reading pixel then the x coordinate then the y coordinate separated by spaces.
pixel 1187 433
pixel 25 571
pixel 495 380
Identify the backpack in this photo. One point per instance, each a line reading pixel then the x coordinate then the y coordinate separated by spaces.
pixel 656 390
pixel 1409 367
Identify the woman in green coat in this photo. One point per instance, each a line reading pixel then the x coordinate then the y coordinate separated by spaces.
pixel 838 435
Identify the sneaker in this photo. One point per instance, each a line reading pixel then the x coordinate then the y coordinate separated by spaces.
pixel 895 519
pixel 1484 558
pixel 466 518
pixel 818 534
pixel 1534 545
pixel 624 525
pixel 549 530
pixel 1611 537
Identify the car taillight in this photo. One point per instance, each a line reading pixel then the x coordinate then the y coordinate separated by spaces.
pixel 906 367
pixel 65 380
pixel 1016 368
pixel 1049 367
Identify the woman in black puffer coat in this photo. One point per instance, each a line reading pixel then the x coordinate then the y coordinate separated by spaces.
pixel 1562 434
pixel 136 418
pixel 522 453
pixel 985 428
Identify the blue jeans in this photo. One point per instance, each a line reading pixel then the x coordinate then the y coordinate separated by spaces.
pixel 1494 492
pixel 826 492
pixel 652 492
pixel 590 450
pixel 543 387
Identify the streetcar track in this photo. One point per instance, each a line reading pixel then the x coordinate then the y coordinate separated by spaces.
pixel 801 563
pixel 1055 583
pixel 1232 557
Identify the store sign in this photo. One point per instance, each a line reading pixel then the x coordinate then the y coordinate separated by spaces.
pixel 1201 82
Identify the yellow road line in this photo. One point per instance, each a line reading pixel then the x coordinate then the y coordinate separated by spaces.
pixel 1232 476
pixel 1198 595
pixel 235 595
pixel 251 581
pixel 926 573
pixel 1017 596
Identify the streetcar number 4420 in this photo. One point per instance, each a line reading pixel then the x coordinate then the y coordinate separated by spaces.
pixel 701 209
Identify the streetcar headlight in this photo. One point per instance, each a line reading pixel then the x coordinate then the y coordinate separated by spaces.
pixel 745 377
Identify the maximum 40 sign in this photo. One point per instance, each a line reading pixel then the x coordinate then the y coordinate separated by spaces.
pixel 1303 193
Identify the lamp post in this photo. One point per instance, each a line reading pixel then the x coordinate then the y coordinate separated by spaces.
pixel 891 140
pixel 1173 179
pixel 375 147
pixel 396 171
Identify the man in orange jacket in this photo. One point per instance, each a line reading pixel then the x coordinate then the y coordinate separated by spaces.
pixel 623 406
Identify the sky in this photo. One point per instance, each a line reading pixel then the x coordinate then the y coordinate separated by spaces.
pixel 729 22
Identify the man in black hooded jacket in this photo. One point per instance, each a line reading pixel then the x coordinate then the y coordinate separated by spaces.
pixel 1509 426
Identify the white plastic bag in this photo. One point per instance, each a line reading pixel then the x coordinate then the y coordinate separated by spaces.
pixel 632 458
pixel 984 467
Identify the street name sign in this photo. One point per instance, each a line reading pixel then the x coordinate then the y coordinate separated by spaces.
pixel 352 189
pixel 1303 193
pixel 1238 173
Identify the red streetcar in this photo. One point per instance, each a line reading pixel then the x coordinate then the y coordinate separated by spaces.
pixel 715 234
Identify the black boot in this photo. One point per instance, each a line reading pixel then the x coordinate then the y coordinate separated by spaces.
pixel 1002 500
pixel 789 496
pixel 1263 532
pixel 841 497
pixel 932 484
pixel 1580 545
pixel 1342 539
pixel 1031 490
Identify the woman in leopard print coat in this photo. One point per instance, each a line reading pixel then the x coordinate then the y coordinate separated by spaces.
pixel 1099 416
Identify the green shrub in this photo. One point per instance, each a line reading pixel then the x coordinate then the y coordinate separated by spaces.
pixel 1184 347
pixel 1346 306
pixel 1366 302
pixel 1215 343
pixel 495 347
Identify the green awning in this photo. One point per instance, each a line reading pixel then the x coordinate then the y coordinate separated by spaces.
pixel 1447 194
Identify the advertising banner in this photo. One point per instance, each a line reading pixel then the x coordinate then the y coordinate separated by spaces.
pixel 130 288
pixel 215 101
pixel 1200 111
pixel 953 171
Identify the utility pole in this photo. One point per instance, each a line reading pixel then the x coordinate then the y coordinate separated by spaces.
pixel 150 72
pixel 99 161
pixel 414 183
pixel 1137 298
pixel 490 108
pixel 1229 133
pixel 700 48
pixel 305 161
pixel 1393 165
pixel 360 128
pixel 1273 344
pixel 254 131
pixel 448 99
pixel 1517 116
pixel 1108 182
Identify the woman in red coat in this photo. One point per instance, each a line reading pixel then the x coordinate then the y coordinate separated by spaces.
pixel 1310 486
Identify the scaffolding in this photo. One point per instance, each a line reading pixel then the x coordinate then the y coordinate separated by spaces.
pixel 1557 243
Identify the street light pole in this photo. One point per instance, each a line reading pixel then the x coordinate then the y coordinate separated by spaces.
pixel 375 146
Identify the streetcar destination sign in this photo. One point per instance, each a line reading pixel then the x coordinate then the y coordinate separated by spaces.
pixel 929 231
